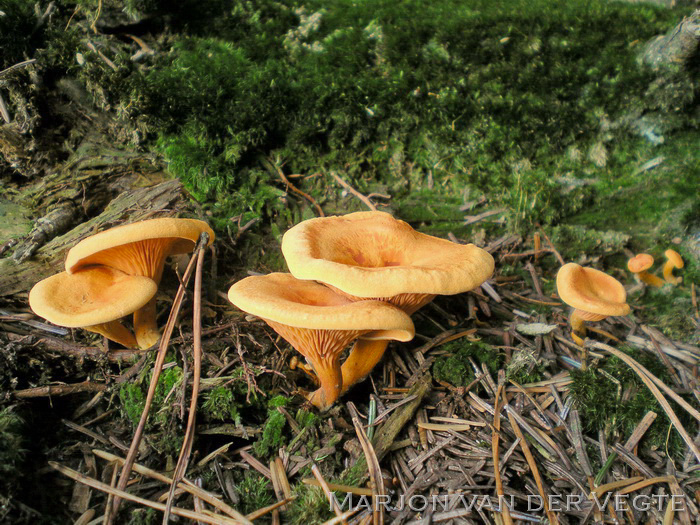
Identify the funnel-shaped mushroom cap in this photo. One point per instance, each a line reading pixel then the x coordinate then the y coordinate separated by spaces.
pixel 90 297
pixel 139 248
pixel 283 299
pixel 591 291
pixel 640 262
pixel 318 322
pixel 371 254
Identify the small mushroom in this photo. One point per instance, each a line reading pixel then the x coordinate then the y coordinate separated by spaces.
pixel 673 260
pixel 94 299
pixel 371 255
pixel 139 249
pixel 594 295
pixel 318 322
pixel 639 264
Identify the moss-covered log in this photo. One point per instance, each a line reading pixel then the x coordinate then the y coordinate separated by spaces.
pixel 129 206
pixel 675 47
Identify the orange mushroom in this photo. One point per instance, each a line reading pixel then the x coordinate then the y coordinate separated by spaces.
pixel 673 260
pixel 94 299
pixel 639 264
pixel 594 295
pixel 139 249
pixel 371 255
pixel 318 322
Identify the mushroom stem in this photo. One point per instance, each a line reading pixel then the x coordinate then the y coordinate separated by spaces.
pixel 668 274
pixel 114 331
pixel 146 325
pixel 363 357
pixel 330 378
pixel 651 279
pixel 578 328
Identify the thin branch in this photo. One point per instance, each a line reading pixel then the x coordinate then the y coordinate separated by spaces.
pixel 186 449
pixel 352 190
pixel 111 512
pixel 60 390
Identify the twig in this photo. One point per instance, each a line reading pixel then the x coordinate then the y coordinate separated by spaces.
pixel 662 356
pixel 531 463
pixel 495 435
pixel 358 491
pixel 186 485
pixel 265 510
pixel 375 472
pixel 60 390
pixel 93 26
pixel 352 190
pixel 340 519
pixel 280 481
pixel 104 58
pixel 54 344
pixel 471 219
pixel 292 187
pixel 17 66
pixel 327 490
pixel 256 464
pixel 186 449
pixel 110 513
pixel 3 111
pixel 551 245
pixel 120 494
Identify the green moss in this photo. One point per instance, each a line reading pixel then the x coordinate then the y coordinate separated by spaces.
pixel 355 474
pixel 277 401
pixel 669 309
pixel 17 32
pixel 310 506
pixel 255 492
pixel 220 405
pixel 601 404
pixel 273 436
pixel 576 240
pixel 504 98
pixel 651 205
pixel 143 517
pixel 306 419
pixel 11 450
pixel 132 399
pixel 472 97
pixel 455 367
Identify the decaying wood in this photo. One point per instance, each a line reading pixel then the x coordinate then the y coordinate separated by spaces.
pixel 129 206
pixel 675 47
pixel 60 390
pixel 386 435
pixel 53 224
pixel 16 150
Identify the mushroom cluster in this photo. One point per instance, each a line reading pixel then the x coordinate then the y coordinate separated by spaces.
pixel 113 274
pixel 356 277
pixel 640 263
